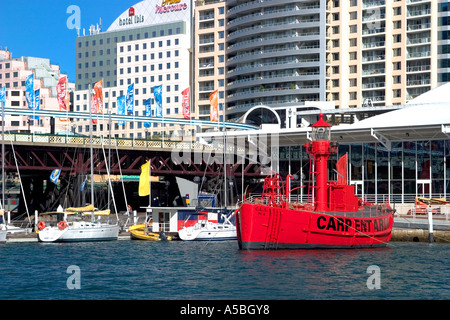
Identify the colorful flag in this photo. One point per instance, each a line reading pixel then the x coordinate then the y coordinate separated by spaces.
pixel 148 112
pixel 121 108
pixel 214 100
pixel 157 91
pixel 83 185
pixel 94 107
pixel 98 89
pixel 3 94
pixel 29 91
pixel 61 94
pixel 341 168
pixel 54 176
pixel 185 104
pixel 37 103
pixel 130 99
pixel 61 91
pixel 144 180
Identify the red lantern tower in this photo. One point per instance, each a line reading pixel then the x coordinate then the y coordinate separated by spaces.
pixel 320 149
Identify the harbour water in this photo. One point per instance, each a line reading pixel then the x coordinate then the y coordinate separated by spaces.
pixel 138 270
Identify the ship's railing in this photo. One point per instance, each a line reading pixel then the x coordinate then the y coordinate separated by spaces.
pixel 369 198
pixel 442 211
pixel 366 212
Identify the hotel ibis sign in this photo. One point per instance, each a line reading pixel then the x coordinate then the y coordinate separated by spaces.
pixel 132 18
pixel 153 12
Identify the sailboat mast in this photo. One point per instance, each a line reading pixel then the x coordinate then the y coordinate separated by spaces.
pixel 92 152
pixel 2 103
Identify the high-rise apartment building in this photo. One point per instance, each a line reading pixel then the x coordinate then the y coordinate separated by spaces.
pixel 385 52
pixel 209 47
pixel 353 53
pixel 275 53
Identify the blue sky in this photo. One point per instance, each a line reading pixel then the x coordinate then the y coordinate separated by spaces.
pixel 38 28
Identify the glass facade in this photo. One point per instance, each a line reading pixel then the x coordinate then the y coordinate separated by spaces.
pixel 410 169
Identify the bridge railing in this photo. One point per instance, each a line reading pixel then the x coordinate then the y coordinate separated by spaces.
pixel 105 141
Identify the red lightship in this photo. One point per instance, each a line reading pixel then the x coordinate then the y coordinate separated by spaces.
pixel 335 218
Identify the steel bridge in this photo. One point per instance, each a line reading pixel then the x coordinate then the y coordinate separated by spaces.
pixel 35 156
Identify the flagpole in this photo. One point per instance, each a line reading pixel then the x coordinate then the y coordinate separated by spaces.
pixel 67 111
pixel 163 127
pixel 33 102
pixel 92 151
pixel 3 104
pixel 150 182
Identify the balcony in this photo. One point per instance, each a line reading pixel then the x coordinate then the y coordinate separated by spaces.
pixel 373 44
pixel 374 58
pixel 373 85
pixel 418 80
pixel 374 71
pixel 373 31
pixel 418 52
pixel 418 40
pixel 418 26
pixel 375 82
pixel 372 3
pixel 418 12
pixel 422 66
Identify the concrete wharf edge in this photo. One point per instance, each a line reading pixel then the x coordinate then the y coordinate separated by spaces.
pixel 406 228
pixel 398 234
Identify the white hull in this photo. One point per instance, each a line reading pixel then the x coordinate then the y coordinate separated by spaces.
pixel 3 235
pixel 208 232
pixel 80 231
pixel 16 230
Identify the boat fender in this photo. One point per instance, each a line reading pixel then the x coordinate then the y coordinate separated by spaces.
pixel 62 225
pixel 41 225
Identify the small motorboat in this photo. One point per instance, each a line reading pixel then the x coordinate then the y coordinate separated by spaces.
pixel 141 232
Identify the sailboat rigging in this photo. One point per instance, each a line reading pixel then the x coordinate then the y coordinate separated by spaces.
pixel 205 230
pixel 79 230
pixel 2 209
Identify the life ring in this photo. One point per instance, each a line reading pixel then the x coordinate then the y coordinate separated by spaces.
pixel 41 225
pixel 62 225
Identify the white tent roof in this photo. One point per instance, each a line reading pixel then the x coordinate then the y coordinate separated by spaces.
pixel 426 117
pixel 430 108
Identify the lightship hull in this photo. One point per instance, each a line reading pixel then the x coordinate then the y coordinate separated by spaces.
pixel 262 227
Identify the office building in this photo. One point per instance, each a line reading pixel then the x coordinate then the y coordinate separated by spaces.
pixel 275 54
pixel 147 45
pixel 209 67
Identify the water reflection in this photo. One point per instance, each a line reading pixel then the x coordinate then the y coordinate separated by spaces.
pixel 316 274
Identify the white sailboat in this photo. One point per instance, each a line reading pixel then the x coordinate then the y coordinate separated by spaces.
pixel 209 231
pixel 72 227
pixel 76 229
pixel 3 231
